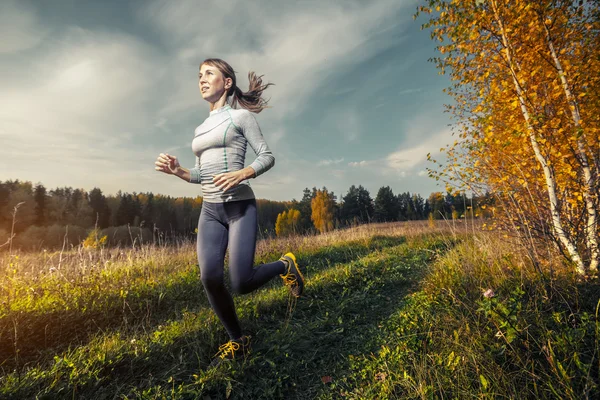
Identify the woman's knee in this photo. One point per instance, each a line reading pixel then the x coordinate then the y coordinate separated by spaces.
pixel 211 282
pixel 239 286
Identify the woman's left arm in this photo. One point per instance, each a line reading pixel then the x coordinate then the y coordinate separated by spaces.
pixel 264 158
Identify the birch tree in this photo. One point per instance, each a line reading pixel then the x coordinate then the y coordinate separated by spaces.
pixel 525 89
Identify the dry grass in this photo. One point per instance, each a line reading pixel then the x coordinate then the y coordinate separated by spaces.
pixel 77 263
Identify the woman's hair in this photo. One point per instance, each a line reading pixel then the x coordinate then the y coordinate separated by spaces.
pixel 252 99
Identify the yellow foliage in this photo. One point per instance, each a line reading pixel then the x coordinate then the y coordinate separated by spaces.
pixel 528 127
pixel 93 241
pixel 286 222
pixel 322 207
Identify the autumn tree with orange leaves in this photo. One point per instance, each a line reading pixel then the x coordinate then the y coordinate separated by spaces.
pixel 323 209
pixel 526 79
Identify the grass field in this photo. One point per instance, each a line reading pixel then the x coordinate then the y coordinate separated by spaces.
pixel 391 311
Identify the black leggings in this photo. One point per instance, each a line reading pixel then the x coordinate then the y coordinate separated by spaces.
pixel 234 223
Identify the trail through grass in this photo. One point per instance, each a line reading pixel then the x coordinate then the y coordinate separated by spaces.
pixel 170 336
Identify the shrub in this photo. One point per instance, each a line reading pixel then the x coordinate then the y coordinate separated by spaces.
pixel 125 235
pixel 49 237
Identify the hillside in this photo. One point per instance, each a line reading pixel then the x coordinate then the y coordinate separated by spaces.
pixel 391 311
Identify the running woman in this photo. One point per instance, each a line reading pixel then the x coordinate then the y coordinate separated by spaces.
pixel 228 216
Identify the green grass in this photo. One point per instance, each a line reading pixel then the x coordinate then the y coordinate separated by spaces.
pixel 388 313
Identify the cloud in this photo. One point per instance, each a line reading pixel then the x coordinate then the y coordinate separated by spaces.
pixel 82 102
pixel 94 106
pixel 329 162
pixel 362 163
pixel 348 123
pixel 20 27
pixel 407 158
pixel 422 137
pixel 275 137
pixel 409 91
pixel 298 46
pixel 89 79
pixel 338 173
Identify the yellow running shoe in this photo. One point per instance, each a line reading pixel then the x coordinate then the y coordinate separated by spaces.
pixel 232 349
pixel 292 278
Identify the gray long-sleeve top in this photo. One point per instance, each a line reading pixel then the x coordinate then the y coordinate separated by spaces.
pixel 220 146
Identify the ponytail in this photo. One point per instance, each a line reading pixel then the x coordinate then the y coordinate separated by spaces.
pixel 252 99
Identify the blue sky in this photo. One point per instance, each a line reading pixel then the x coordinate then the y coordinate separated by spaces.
pixel 93 91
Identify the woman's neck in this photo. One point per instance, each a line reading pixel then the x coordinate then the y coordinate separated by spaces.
pixel 219 103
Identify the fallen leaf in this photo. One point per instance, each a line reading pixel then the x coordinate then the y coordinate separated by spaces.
pixel 380 376
pixel 326 379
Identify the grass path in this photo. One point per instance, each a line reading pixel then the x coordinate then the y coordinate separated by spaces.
pixel 351 292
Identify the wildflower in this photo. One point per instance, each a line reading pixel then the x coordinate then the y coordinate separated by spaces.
pixel 489 293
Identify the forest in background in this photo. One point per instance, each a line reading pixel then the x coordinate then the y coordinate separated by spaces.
pixel 33 217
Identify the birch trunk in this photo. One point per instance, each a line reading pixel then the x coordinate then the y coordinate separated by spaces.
pixel 589 184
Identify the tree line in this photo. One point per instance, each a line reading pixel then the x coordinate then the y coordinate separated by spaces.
pixel 320 211
pixel 50 218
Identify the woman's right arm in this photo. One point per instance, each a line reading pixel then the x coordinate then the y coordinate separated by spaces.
pixel 170 165
pixel 194 176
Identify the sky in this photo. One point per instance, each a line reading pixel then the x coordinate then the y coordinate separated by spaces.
pixel 93 91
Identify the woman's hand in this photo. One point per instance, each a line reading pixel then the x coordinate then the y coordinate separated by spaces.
pixel 168 164
pixel 228 180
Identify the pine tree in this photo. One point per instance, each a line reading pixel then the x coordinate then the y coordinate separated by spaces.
pixel 41 201
pixel 385 209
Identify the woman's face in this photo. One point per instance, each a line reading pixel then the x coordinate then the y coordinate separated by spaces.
pixel 212 83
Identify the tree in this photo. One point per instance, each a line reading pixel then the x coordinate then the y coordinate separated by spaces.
pixel 4 193
pixel 365 204
pixel 165 218
pixel 357 205
pixel 418 205
pixel 268 211
pixel 287 222
pixel 350 210
pixel 386 208
pixel 113 202
pixel 404 206
pixel 147 213
pixel 21 197
pixel 526 80
pixel 100 209
pixel 322 210
pixel 126 211
pixel 40 197
pixel 436 204
pixel 304 206
pixel 59 206
pixel 79 211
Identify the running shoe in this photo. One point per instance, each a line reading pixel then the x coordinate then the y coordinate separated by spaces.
pixel 232 349
pixel 292 278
